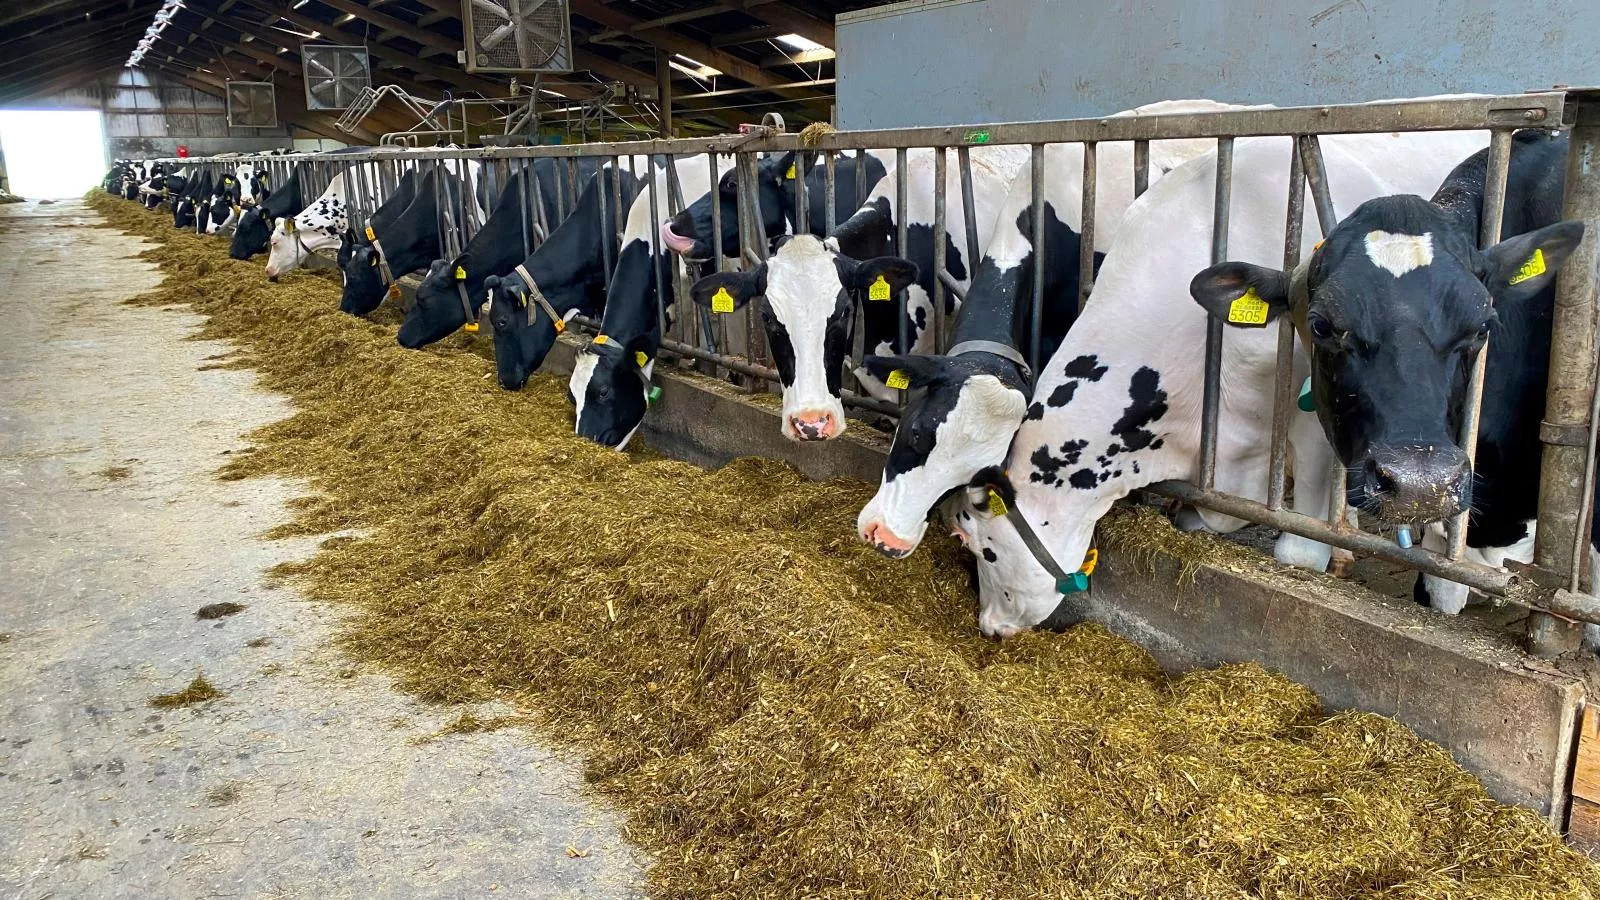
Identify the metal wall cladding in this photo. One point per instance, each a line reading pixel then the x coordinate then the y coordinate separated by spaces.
pixel 947 62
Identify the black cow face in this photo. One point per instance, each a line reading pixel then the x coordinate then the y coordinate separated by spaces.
pixel 1395 305
pixel 959 419
pixel 363 281
pixel 438 310
pixel 250 235
pixel 610 387
pixel 523 331
pixel 689 233
pixel 220 209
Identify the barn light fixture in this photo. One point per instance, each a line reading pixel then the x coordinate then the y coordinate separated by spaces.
pixel 796 42
pixel 163 18
pixel 692 67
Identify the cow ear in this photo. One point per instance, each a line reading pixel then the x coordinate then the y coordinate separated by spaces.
pixel 491 284
pixel 1241 294
pixel 372 258
pixel 916 370
pixel 725 292
pixel 893 271
pixel 1520 267
pixel 780 168
pixel 990 492
pixel 459 266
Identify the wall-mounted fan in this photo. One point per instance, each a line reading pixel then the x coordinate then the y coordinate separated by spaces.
pixel 252 104
pixel 518 35
pixel 334 74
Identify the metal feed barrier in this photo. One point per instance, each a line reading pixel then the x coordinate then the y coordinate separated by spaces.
pixel 1553 588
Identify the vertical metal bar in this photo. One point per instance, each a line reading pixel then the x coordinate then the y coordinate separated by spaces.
pixel 1219 253
pixel 1036 210
pixel 1564 471
pixel 1317 177
pixel 561 195
pixel 758 225
pixel 1494 206
pixel 1086 232
pixel 941 229
pixel 1141 167
pixel 608 228
pixel 525 220
pixel 1283 389
pixel 751 251
pixel 861 180
pixel 655 256
pixel 802 205
pixel 680 269
pixel 572 187
pixel 830 212
pixel 541 223
pixel 968 207
pixel 716 214
pixel 901 226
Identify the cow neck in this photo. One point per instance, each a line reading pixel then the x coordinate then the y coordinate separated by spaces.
pixel 631 301
pixel 497 247
pixel 573 255
pixel 285 201
pixel 412 240
pixel 866 234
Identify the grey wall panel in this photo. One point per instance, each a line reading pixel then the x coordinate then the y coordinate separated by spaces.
pixel 941 62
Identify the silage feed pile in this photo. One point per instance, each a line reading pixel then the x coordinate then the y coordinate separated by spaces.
pixel 781 712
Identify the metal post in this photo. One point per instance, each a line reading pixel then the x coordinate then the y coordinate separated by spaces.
pixel 1317 176
pixel 968 207
pixel 802 205
pixel 1086 232
pixel 526 221
pixel 941 228
pixel 664 92
pixel 716 213
pixel 1283 389
pixel 1141 167
pixel 655 256
pixel 1036 205
pixel 608 228
pixel 1219 253
pixel 861 180
pixel 541 223
pixel 830 213
pixel 1564 468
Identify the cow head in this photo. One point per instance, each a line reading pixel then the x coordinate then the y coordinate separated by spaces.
pixel 523 331
pixel 363 278
pixel 437 310
pixel 959 419
pixel 689 233
pixel 610 386
pixel 809 297
pixel 1394 306
pixel 251 234
pixel 222 213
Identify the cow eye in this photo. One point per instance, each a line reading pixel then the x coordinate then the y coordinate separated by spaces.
pixel 1483 331
pixel 1321 328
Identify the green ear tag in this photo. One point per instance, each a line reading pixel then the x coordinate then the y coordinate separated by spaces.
pixel 1306 401
pixel 1249 309
pixel 878 290
pixel 652 395
pixel 722 301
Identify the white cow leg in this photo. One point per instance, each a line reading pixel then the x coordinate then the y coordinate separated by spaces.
pixel 1445 596
pixel 1313 464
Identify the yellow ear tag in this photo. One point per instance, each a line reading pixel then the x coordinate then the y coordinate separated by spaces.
pixel 601 339
pixel 722 301
pixel 1533 268
pixel 789 174
pixel 394 292
pixel 1248 309
pixel 461 274
pixel 898 380
pixel 878 290
pixel 373 261
pixel 641 358
pixel 997 506
pixel 288 226
pixel 370 235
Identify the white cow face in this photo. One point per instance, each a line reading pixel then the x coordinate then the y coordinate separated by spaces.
pixel 810 297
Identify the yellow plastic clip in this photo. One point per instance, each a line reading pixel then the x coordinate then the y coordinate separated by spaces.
pixel 1090 560
pixel 997 505
pixel 561 325
pixel 370 235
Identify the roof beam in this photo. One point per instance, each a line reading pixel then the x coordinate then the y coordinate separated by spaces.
pixel 748 36
pixel 77 25
pixel 22 11
pixel 673 42
pixel 803 24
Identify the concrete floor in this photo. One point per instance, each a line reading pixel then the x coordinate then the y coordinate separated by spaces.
pixel 308 777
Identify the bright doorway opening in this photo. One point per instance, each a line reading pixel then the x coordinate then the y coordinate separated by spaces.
pixel 52 154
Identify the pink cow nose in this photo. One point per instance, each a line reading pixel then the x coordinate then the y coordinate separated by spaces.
pixel 813 426
pixel 885 541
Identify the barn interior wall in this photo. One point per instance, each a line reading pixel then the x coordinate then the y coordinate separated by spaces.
pixel 948 62
pixel 150 115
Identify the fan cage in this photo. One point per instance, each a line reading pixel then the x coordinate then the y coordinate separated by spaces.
pixel 251 104
pixel 334 74
pixel 540 42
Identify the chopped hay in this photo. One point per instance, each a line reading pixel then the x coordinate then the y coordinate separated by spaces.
pixel 823 722
pixel 199 691
pixel 219 610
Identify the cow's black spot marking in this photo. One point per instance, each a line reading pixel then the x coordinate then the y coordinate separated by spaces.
pixel 1086 367
pixel 1083 479
pixel 1047 466
pixel 1148 405
pixel 1035 413
pixel 989 555
pixel 1062 395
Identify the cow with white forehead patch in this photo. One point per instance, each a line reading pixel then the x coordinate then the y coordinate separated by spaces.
pixel 1122 396
pixel 610 384
pixel 1394 306
pixel 811 288
pixel 965 406
pixel 325 221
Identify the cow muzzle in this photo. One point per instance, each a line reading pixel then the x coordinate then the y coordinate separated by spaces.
pixel 878 536
pixel 1417 483
pixel 813 425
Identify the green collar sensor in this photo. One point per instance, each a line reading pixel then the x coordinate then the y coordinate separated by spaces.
pixel 1306 401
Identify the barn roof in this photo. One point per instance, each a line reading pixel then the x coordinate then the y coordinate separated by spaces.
pixel 55 45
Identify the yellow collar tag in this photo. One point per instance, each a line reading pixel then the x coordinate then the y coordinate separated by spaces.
pixel 1533 268
pixel 790 174
pixel 470 328
pixel 394 291
pixel 722 301
pixel 642 358
pixel 898 380
pixel 370 235
pixel 560 324
pixel 1248 309
pixel 461 274
pixel 878 290
pixel 601 339
pixel 997 506
pixel 1090 560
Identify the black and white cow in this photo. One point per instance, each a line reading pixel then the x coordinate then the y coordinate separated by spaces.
pixel 567 270
pixel 811 288
pixel 254 229
pixel 1394 306
pixel 1122 396
pixel 689 233
pixel 199 188
pixel 964 407
pixel 325 223
pixel 223 205
pixel 610 384
pixel 396 243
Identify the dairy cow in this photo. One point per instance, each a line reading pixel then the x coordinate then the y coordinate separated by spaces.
pixel 325 221
pixel 964 407
pixel 1394 305
pixel 187 205
pixel 395 244
pixel 1121 397
pixel 254 229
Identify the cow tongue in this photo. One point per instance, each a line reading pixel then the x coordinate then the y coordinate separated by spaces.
pixel 674 241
